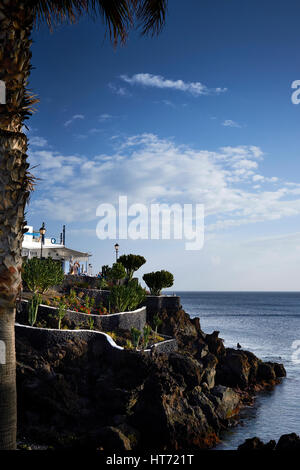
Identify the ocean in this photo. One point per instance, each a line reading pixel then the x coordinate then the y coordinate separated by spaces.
pixel 267 324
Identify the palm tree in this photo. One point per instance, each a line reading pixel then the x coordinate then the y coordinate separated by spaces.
pixel 17 20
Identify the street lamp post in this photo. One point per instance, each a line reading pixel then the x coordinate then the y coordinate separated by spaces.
pixel 42 233
pixel 117 251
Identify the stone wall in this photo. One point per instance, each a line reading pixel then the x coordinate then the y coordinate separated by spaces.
pixel 100 296
pixel 122 320
pixel 156 304
pixel 99 341
pixel 166 347
pixel 69 280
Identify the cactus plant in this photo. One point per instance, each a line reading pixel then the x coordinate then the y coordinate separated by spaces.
pixel 146 331
pixel 136 335
pixel 33 308
pixel 157 322
pixel 62 310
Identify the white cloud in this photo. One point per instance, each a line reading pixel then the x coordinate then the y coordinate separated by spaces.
pixel 230 123
pixel 157 81
pixel 37 141
pixel 148 169
pixel 73 118
pixel 258 178
pixel 169 103
pixel 263 179
pixel 118 90
pixel 95 130
pixel 105 117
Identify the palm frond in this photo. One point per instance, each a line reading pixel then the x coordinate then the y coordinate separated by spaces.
pixel 118 15
pixel 151 14
pixel 53 12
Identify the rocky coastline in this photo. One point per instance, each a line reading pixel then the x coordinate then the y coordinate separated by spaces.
pixel 72 395
pixel 287 442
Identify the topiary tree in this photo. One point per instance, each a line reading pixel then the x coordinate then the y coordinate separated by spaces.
pixel 117 272
pixel 131 263
pixel 41 274
pixel 105 271
pixel 156 281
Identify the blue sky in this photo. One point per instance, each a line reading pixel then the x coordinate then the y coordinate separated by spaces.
pixel 200 114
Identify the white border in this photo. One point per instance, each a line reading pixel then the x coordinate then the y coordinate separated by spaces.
pixel 108 337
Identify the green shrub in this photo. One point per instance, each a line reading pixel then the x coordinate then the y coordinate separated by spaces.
pixel 41 274
pixel 105 270
pixel 117 272
pixel 156 281
pixel 102 283
pixel 119 298
pixel 123 298
pixel 33 307
pixel 131 263
pixel 137 295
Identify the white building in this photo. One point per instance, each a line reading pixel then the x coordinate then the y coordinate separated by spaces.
pixel 34 246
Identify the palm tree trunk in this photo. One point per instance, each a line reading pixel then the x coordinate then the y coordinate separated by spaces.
pixel 15 30
pixel 8 411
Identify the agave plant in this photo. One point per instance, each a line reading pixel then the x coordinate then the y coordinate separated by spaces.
pixel 17 20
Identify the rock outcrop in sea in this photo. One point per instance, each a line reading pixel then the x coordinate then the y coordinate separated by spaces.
pixel 287 442
pixel 72 395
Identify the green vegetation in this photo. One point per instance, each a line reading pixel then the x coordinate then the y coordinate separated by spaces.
pixel 157 322
pixel 91 323
pixel 33 307
pixel 123 298
pixel 146 334
pixel 112 334
pixel 128 344
pixel 131 263
pixel 105 271
pixel 156 281
pixel 136 335
pixel 117 272
pixel 41 274
pixel 61 313
pixel 102 284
